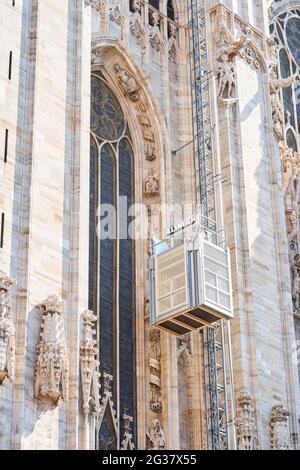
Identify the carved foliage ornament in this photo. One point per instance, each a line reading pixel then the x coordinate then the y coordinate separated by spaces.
pixel 7 330
pixel 52 367
pixel 245 422
pixel 280 434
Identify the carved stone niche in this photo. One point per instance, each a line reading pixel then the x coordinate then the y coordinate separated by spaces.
pixel 245 422
pixel 52 366
pixel 280 434
pixel 7 330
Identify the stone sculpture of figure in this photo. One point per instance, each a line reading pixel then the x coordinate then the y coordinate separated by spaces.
pixel 296 282
pixel 7 330
pixel 151 185
pixel 127 82
pixel 225 68
pixel 156 435
pixel 276 84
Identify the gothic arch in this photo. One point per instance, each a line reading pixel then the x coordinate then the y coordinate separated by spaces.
pixel 139 109
pixel 145 121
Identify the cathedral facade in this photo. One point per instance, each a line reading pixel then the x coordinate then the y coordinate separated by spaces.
pixel 96 114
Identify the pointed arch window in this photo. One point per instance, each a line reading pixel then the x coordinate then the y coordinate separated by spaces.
pixel 111 258
pixel 285 31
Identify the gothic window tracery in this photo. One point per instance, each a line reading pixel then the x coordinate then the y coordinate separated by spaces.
pixel 111 258
pixel 285 31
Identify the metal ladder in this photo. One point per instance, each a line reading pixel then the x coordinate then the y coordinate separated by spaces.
pixel 213 338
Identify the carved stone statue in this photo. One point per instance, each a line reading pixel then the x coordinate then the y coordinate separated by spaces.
pixel 127 441
pixel 7 330
pixel 280 434
pixel 89 365
pixel 52 367
pixel 151 185
pixel 155 371
pixel 156 436
pixel 296 282
pixel 276 84
pixel 225 68
pixel 127 83
pixel 245 422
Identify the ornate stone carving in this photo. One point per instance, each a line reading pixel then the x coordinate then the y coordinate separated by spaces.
pixel 155 371
pixel 276 85
pixel 127 441
pixel 89 365
pixel 51 375
pixel 7 330
pixel 280 434
pixel 148 135
pixel 156 436
pixel 155 36
pixel 172 43
pixel 225 67
pixel 108 426
pixel 136 25
pixel 127 83
pixel 99 5
pixel 245 422
pixel 184 354
pixel 151 185
pixel 115 12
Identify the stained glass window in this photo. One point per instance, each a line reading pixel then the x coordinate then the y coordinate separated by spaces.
pixel 111 261
pixel 293 38
pixel 285 31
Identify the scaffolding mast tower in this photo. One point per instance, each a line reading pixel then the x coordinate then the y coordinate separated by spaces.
pixel 214 360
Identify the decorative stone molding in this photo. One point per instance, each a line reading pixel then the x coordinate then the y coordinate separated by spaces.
pixel 280 434
pixel 52 367
pixel 127 83
pixel 245 422
pixel 89 365
pixel 155 371
pixel 108 425
pixel 156 436
pixel 7 330
pixel 276 7
pixel 127 441
pixel 151 185
pixel 184 354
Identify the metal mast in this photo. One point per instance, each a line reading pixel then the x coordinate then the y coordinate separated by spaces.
pixel 213 338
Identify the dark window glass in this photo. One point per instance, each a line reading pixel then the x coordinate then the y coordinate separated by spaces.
pixel 170 10
pixel 107 119
pixel 154 3
pixel 291 140
pixel 293 38
pixel 127 276
pixel 107 268
pixel 284 64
